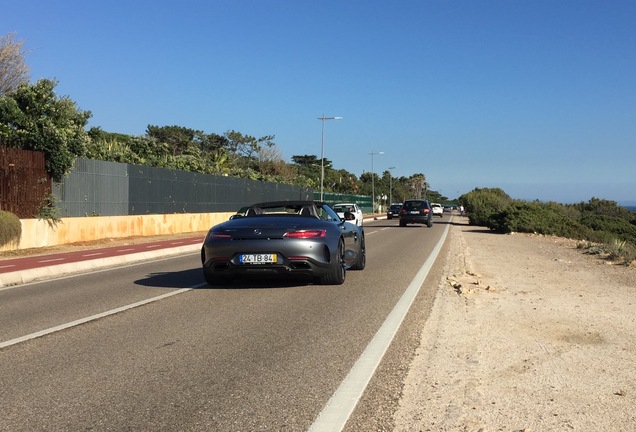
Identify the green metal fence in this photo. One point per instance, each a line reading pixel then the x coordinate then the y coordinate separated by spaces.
pixel 363 201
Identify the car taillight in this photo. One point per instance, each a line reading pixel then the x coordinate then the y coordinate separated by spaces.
pixel 306 234
pixel 219 236
pixel 426 210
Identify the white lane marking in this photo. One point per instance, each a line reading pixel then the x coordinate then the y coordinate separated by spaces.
pixel 94 317
pixel 336 412
pixel 7 266
pixel 51 260
pixel 372 232
pixel 125 250
pixel 93 254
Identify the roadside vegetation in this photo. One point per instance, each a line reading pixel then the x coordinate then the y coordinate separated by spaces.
pixel 10 227
pixel 602 226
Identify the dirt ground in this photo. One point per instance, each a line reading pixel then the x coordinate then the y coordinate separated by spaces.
pixel 527 333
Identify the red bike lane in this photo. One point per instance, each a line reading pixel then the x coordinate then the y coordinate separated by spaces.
pixel 30 262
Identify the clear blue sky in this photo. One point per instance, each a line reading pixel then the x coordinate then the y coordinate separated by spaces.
pixel 535 97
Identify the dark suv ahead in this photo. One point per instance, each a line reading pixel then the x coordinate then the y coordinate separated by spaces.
pixel 416 211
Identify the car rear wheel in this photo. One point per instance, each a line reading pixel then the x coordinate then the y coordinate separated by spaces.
pixel 361 261
pixel 402 223
pixel 338 275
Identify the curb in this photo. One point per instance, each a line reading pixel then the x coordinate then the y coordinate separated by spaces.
pixel 55 271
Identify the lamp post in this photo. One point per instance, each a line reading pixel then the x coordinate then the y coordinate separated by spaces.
pixel 390 185
pixel 373 180
pixel 322 154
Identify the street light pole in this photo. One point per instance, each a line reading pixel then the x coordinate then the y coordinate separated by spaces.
pixel 322 154
pixel 390 185
pixel 373 180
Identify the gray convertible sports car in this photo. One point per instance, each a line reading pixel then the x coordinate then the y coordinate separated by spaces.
pixel 284 238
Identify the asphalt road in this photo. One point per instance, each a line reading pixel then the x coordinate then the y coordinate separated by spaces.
pixel 255 356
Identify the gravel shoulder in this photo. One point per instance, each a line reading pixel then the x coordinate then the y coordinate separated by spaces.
pixel 527 333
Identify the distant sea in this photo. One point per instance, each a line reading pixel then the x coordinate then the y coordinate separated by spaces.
pixel 631 208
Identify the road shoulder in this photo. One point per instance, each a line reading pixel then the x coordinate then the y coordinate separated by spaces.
pixel 526 333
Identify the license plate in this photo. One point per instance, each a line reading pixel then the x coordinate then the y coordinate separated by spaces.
pixel 414 212
pixel 258 258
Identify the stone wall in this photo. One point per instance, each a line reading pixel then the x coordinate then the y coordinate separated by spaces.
pixel 39 233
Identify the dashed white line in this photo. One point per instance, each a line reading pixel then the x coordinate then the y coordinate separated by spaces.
pixel 93 254
pixel 51 260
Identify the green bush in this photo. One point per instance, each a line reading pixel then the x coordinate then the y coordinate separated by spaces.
pixel 606 208
pixel 616 226
pixel 10 227
pixel 49 210
pixel 485 204
pixel 537 217
pixel 597 221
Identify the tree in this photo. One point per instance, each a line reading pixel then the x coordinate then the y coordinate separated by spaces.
pixel 309 167
pixel 419 185
pixel 306 160
pixel 180 139
pixel 245 148
pixel 342 181
pixel 34 118
pixel 13 68
pixel 117 147
pixel 213 143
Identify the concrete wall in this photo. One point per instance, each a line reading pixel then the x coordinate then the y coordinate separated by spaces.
pixel 39 233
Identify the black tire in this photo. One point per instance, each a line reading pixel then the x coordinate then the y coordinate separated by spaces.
pixel 389 217
pixel 402 223
pixel 361 262
pixel 339 274
pixel 429 223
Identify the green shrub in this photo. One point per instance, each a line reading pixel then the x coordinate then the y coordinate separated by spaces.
pixel 629 254
pixel 604 223
pixel 10 227
pixel 49 210
pixel 484 204
pixel 607 208
pixel 616 226
pixel 538 217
